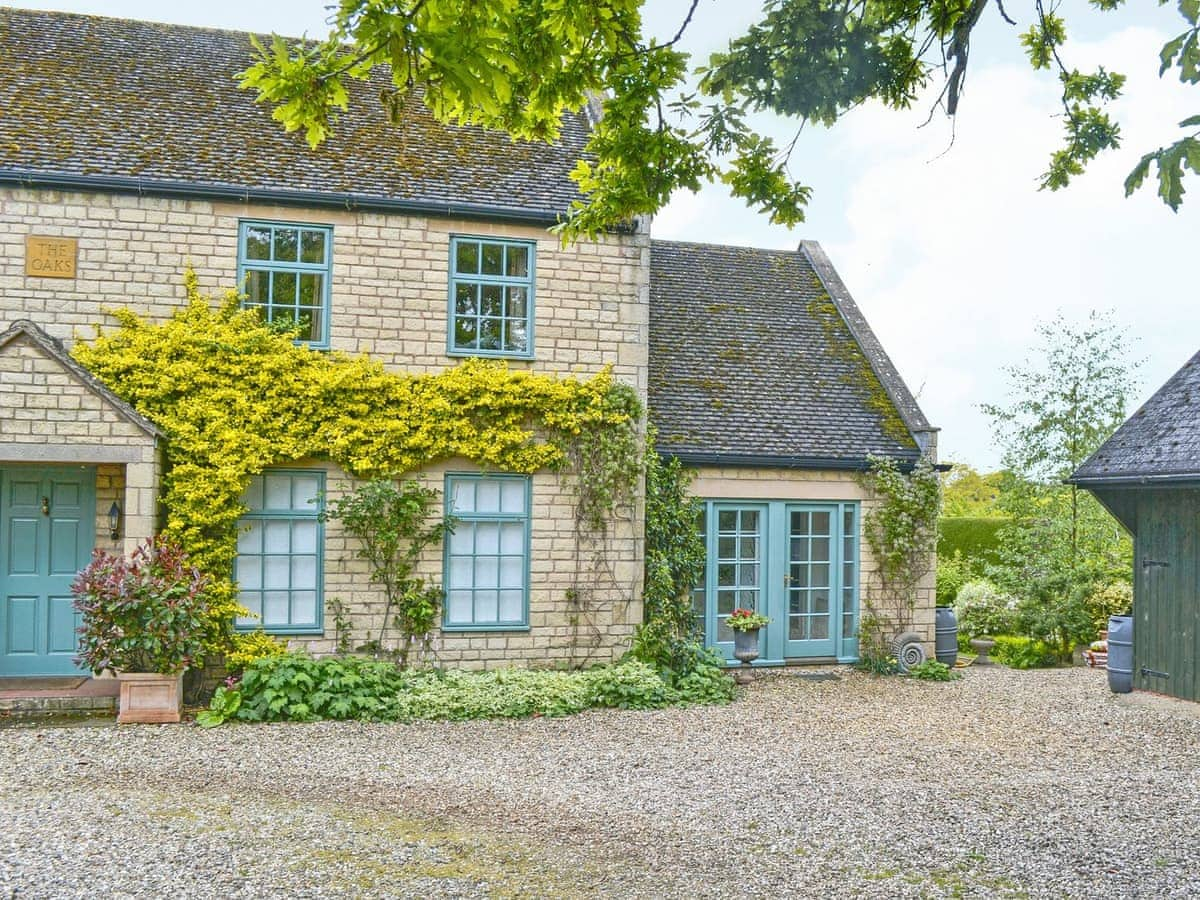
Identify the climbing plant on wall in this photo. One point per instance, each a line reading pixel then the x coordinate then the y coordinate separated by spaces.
pixel 901 531
pixel 235 395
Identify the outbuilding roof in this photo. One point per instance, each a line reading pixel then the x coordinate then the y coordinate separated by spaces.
pixel 761 357
pixel 137 106
pixel 1159 442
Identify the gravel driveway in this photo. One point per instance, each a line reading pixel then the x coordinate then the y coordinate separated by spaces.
pixel 1002 784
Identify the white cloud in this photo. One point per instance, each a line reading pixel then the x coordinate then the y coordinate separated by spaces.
pixel 954 257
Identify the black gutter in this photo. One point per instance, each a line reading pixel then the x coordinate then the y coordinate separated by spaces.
pixel 1133 480
pixel 738 460
pixel 184 190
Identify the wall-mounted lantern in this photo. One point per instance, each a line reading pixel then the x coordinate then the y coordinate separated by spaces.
pixel 114 521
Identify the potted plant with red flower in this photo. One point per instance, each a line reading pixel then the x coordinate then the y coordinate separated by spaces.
pixel 745 624
pixel 144 619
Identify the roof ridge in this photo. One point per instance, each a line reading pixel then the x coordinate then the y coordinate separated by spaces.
pixel 717 246
pixel 68 14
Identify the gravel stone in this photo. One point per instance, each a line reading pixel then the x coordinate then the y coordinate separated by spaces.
pixel 1005 783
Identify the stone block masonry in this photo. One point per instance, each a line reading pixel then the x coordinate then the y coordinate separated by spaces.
pixel 390 277
pixel 561 630
pixel 389 300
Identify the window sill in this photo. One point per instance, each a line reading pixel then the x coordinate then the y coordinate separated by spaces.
pixel 466 629
pixel 283 631
pixel 489 354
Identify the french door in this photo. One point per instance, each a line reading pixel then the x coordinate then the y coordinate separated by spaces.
pixel 796 563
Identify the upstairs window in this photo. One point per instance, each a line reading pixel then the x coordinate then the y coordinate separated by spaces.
pixel 491 297
pixel 285 270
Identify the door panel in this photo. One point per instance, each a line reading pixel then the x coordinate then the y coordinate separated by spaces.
pixel 47 519
pixel 20 626
pixel 735 569
pixel 812 603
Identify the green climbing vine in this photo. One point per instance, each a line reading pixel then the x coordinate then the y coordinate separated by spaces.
pixel 235 395
pixel 901 532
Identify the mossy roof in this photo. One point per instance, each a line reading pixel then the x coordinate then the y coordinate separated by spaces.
pixel 761 357
pixel 1159 443
pixel 92 96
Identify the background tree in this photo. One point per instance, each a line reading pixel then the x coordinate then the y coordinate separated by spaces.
pixel 518 65
pixel 966 492
pixel 1060 546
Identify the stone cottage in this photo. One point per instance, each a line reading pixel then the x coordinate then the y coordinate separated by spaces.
pixel 129 155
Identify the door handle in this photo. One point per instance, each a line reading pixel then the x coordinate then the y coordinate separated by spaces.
pixel 45 506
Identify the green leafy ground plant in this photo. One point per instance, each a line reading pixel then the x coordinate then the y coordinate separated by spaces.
pixel 932 670
pixel 295 687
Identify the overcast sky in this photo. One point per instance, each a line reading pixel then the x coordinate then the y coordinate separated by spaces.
pixel 951 251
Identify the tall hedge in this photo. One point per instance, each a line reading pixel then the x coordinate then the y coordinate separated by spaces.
pixel 975 537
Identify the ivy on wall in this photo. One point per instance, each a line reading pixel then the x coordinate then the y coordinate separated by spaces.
pixel 235 395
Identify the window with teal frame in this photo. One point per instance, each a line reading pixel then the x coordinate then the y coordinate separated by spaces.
pixel 491 298
pixel 486 577
pixel 284 270
pixel 280 552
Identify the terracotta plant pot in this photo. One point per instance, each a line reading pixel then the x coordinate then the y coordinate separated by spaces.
pixel 148 698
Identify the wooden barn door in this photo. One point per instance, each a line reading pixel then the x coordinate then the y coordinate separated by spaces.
pixel 1167 594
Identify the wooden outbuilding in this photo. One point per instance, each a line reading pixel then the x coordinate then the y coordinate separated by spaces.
pixel 1148 476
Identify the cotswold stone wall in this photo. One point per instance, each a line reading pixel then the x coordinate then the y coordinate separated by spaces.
pixel 561 631
pixel 390 290
pixel 783 484
pixel 390 301
pixel 48 417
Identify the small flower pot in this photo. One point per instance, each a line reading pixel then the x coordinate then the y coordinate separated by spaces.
pixel 148 698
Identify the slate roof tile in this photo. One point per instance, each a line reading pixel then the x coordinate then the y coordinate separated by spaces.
pixel 91 96
pixel 1159 441
pixel 753 356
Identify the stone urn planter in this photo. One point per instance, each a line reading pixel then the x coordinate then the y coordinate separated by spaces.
pixel 746 624
pixel 148 698
pixel 982 646
pixel 745 649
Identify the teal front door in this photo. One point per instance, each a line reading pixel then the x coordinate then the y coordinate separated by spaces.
pixel 796 563
pixel 47 530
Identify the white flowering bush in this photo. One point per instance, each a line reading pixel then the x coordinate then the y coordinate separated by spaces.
pixel 983 609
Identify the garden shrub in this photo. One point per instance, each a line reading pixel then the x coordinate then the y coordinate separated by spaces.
pixel 1054 610
pixel 1019 652
pixel 983 609
pixel 1115 599
pixel 494 694
pixel 952 573
pixel 296 687
pixel 932 670
pixel 299 688
pixel 975 538
pixel 250 646
pixel 142 613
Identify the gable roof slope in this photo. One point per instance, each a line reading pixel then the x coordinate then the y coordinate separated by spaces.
pixel 1159 442
pixel 53 349
pixel 124 105
pixel 761 357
